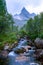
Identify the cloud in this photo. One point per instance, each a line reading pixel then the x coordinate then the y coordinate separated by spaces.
pixel 34 9
pixel 15 6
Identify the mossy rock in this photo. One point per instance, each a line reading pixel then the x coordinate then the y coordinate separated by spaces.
pixel 18 51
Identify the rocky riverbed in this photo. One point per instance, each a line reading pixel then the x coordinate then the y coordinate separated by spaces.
pixel 30 53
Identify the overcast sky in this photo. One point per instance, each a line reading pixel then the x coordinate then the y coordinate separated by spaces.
pixel 15 6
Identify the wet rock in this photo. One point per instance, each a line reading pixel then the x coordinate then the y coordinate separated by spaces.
pixel 39 43
pixel 9 47
pixel 22 49
pixel 6 46
pixel 18 51
pixel 40 57
pixel 3 58
pixel 39 54
pixel 4 53
pixel 30 42
pixel 14 45
pixel 26 48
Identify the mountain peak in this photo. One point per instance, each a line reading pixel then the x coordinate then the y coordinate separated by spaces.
pixel 21 19
pixel 24 15
pixel 24 10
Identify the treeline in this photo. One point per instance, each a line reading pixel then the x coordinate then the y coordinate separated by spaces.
pixel 34 27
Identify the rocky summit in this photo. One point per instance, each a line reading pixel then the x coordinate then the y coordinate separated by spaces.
pixel 21 19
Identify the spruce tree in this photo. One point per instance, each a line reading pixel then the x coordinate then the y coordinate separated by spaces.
pixel 3 9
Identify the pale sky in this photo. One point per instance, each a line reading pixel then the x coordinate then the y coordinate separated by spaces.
pixel 15 6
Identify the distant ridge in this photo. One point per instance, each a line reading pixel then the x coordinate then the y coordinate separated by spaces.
pixel 23 16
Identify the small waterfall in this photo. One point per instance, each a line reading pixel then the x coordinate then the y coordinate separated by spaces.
pixel 12 54
pixel 21 42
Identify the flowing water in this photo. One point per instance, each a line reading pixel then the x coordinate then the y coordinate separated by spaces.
pixel 22 59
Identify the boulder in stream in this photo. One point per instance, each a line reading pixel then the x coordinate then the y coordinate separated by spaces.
pixel 38 43
pixel 39 55
pixel 18 51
